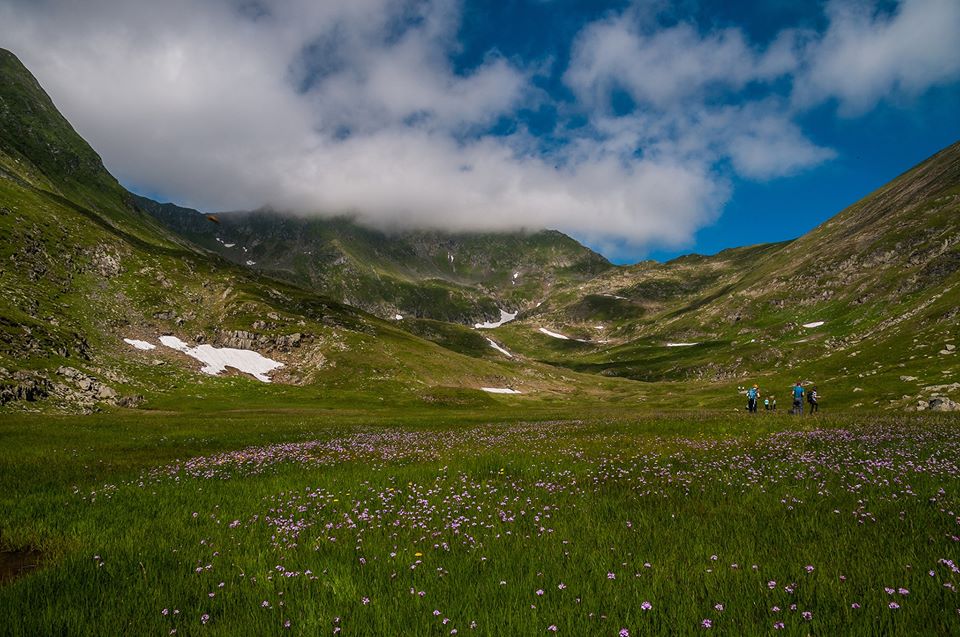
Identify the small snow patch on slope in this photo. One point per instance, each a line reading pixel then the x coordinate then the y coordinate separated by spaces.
pixel 505 317
pixel 140 344
pixel 398 317
pixel 500 349
pixel 814 324
pixel 229 245
pixel 681 344
pixel 249 262
pixel 499 390
pixel 218 359
pixel 544 330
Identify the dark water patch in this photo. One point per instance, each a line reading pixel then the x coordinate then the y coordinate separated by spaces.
pixel 14 564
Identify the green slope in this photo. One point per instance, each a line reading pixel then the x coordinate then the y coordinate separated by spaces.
pixel 883 276
pixel 458 277
pixel 83 266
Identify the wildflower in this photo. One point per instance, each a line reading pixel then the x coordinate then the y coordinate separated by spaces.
pixel 561 586
pixel 611 576
pixel 771 584
pixel 775 609
pixel 893 605
pixel 624 632
pixel 809 568
pixel 718 607
pixel 286 624
pixel 807 615
pixel 778 626
pixel 204 618
pixel 365 600
pixel 165 612
pixel 903 591
pixel 854 606
pixel 706 623
pixel 436 613
pixel 539 592
pixel 646 606
pixel 888 590
pixel 552 628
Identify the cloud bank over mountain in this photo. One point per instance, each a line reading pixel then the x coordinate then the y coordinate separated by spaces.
pixel 361 107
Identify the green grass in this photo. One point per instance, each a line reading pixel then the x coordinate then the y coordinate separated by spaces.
pixel 500 505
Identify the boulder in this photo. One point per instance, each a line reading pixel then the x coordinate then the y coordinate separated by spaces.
pixel 943 404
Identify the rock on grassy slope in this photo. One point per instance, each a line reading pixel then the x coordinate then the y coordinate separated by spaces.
pixel 456 277
pixel 83 267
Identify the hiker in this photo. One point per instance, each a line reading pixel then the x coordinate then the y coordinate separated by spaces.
pixel 766 404
pixel 773 403
pixel 814 399
pixel 752 395
pixel 797 399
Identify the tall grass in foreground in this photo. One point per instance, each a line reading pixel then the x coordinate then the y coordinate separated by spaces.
pixel 597 528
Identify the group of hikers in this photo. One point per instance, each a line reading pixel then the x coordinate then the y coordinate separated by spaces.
pixel 798 392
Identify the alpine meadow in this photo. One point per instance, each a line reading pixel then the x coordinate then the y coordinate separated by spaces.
pixel 493 319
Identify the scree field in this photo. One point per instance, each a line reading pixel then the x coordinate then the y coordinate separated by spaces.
pixel 433 524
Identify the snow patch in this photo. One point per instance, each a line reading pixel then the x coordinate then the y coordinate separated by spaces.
pixel 554 334
pixel 398 317
pixel 499 390
pixel 814 324
pixel 218 359
pixel 229 245
pixel 499 348
pixel 681 344
pixel 516 275
pixel 505 317
pixel 249 262
pixel 140 344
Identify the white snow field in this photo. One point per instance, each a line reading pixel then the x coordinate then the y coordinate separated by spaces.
pixel 554 334
pixel 500 349
pixel 505 317
pixel 814 324
pixel 140 344
pixel 681 344
pixel 398 317
pixel 499 390
pixel 218 359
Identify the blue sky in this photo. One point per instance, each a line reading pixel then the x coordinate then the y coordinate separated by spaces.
pixel 646 129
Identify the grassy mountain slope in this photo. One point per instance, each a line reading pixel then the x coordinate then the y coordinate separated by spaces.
pixel 82 267
pixel 883 276
pixel 462 278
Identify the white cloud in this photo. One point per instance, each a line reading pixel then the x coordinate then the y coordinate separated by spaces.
pixel 668 65
pixel 866 56
pixel 322 106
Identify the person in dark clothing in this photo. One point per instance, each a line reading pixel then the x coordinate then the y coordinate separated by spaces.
pixel 814 399
pixel 797 399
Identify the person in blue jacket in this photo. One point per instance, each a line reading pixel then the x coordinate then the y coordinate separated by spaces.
pixel 752 395
pixel 798 399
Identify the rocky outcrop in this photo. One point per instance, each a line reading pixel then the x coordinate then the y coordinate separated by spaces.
pixel 22 386
pixel 242 339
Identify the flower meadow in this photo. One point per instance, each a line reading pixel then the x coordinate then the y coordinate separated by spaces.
pixel 611 527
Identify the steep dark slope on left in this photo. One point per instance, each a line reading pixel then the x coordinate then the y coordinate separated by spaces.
pixel 82 268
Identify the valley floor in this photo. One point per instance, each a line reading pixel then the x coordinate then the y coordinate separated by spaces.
pixel 478 523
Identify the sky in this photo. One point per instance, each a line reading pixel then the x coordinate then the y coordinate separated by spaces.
pixel 645 129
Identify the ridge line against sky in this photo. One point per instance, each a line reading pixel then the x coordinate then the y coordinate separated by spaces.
pixel 642 129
